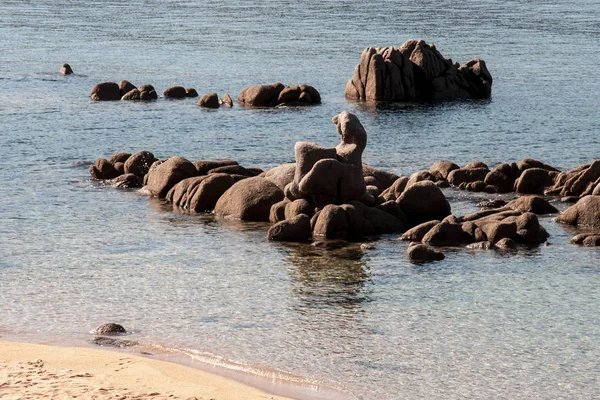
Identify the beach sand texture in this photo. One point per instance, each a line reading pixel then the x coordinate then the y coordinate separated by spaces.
pixel 32 371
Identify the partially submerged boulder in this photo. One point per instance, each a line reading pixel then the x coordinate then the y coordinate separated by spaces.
pixel 249 200
pixel 164 175
pixel 586 212
pixel 106 91
pixel 422 202
pixel 296 229
pixel 277 93
pixel 175 92
pixel 419 253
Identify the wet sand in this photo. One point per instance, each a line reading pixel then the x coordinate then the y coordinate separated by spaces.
pixel 32 371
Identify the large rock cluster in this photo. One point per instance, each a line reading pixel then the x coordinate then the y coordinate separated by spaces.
pixel 125 90
pixel 416 71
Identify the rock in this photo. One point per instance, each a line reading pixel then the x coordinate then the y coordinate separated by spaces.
pixel 415 71
pixel 179 194
pixel 139 163
pixel 249 199
pixel 472 233
pixel 382 179
pixel 203 166
pixel 590 175
pixel 148 96
pixel 422 202
pixel 591 241
pixel 529 230
pixel 392 208
pixel 596 191
pixel 126 87
pixel 534 204
pixel 106 91
pixel 109 329
pixel 260 95
pixel 419 177
pixel 127 181
pixel 506 244
pixel 578 239
pixel 277 213
pixel 164 175
pixel 586 212
pixel 443 168
pixel 476 164
pixel 105 170
pixel 119 166
pixel 66 69
pixel 227 100
pixel 146 88
pixel 484 213
pixel 210 100
pixel 132 95
pixel 467 175
pixel 232 170
pixel 297 207
pixel 281 175
pixel 175 92
pixel 417 233
pixel 335 174
pixel 500 180
pixel 332 223
pixel 494 231
pixel 295 229
pixel 423 253
pixel 477 186
pixel 533 181
pixel 119 157
pixel 370 221
pixel 529 163
pixel 395 190
pixel 444 234
pixel 208 192
pixel 191 92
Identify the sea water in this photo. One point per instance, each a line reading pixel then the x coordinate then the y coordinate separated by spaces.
pixel 480 324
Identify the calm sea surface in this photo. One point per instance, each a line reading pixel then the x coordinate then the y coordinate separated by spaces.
pixel 478 325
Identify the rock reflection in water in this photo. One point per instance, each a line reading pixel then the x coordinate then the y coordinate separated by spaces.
pixel 329 275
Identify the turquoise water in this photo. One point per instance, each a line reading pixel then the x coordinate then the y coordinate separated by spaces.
pixel 479 324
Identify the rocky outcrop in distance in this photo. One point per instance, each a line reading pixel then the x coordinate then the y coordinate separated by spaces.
pixel 416 72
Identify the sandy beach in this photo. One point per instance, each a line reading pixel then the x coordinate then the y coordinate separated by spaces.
pixel 32 371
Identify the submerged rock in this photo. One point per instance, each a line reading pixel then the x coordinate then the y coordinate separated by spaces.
pixel 109 329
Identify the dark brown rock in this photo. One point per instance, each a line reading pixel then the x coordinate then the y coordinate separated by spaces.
pixel 164 175
pixel 494 231
pixel 534 204
pixel 175 92
pixel 332 223
pixel 586 212
pixel 106 169
pixel 591 241
pixel 109 329
pixel 297 207
pixel 203 166
pixel 533 181
pixel 422 253
pixel 529 163
pixel 444 234
pixel 210 100
pixel 296 229
pixel 443 168
pixel 396 189
pixel 260 95
pixel 232 170
pixel 417 233
pixel 191 92
pixel 422 202
pixel 506 244
pixel 127 181
pixel 66 69
pixel 249 199
pixel 370 221
pixel 383 179
pixel 277 213
pixel 119 157
pixel 106 91
pixel 208 192
pixel 132 95
pixel 139 163
pixel 500 180
pixel 126 87
pixel 148 95
pixel 227 100
pixel 467 175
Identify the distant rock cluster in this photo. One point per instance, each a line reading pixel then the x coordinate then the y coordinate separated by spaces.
pixel 416 71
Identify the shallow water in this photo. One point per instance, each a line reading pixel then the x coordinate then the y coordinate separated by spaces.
pixel 479 324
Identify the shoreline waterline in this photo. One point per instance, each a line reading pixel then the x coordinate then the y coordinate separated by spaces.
pixel 273 382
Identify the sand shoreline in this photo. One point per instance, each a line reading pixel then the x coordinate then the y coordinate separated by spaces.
pixel 29 371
